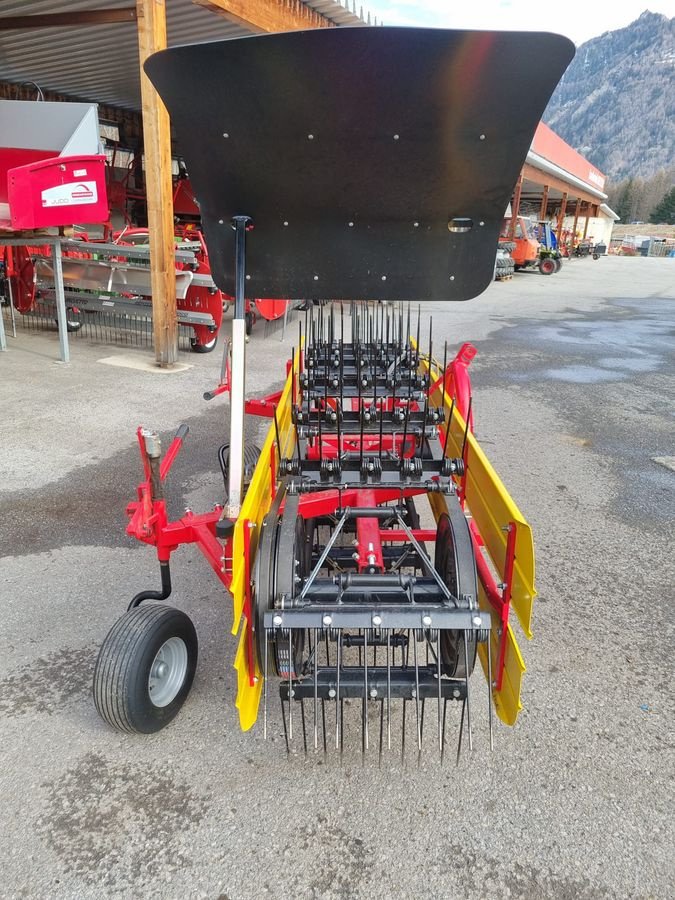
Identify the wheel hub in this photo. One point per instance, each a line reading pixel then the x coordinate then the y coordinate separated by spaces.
pixel 167 672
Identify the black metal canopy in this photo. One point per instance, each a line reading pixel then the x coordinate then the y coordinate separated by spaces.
pixel 375 163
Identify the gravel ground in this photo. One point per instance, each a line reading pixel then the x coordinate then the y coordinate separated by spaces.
pixel 574 400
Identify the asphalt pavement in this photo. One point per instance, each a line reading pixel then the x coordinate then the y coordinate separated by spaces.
pixel 574 400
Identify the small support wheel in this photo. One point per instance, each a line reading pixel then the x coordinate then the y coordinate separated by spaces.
pixel 248 318
pixel 145 668
pixel 196 347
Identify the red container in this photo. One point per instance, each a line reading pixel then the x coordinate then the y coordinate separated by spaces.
pixel 64 190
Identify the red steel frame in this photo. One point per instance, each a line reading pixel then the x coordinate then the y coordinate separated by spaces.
pixel 149 521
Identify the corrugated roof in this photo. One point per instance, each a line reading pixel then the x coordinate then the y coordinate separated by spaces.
pixel 100 63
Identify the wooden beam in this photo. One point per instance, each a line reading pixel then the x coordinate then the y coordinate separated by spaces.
pixel 157 144
pixel 70 19
pixel 538 177
pixel 267 15
pixel 544 203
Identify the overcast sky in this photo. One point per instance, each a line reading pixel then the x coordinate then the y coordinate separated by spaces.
pixel 577 19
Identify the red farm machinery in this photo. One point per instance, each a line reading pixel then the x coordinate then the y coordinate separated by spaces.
pixel 52 176
pixel 373 555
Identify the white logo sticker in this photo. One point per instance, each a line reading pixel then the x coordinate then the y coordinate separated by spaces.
pixel 77 193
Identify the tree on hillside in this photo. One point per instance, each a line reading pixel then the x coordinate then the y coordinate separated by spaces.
pixel 665 210
pixel 626 200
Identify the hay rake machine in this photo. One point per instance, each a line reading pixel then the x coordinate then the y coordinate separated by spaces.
pixel 352 602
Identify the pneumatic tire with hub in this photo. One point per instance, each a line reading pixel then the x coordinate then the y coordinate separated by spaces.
pixel 145 668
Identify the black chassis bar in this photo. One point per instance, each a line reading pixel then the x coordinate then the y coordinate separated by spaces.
pixel 381 617
pixel 401 684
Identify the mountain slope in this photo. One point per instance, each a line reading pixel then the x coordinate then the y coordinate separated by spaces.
pixel 616 102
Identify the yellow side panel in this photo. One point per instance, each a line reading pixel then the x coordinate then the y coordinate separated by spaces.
pixel 248 698
pixel 507 699
pixel 492 508
pixel 256 504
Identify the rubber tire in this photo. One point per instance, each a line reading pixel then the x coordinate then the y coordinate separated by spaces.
pixel 72 325
pixel 454 527
pixel 547 266
pixel 248 318
pixel 203 348
pixel 558 263
pixel 120 685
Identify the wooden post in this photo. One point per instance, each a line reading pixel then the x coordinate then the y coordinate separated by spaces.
pixel 588 217
pixel 561 218
pixel 544 203
pixel 577 208
pixel 515 207
pixel 151 16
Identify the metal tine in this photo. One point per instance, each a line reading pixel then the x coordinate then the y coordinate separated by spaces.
pixel 445 709
pixel 438 678
pixel 304 729
pixel 445 364
pixel 379 448
pixel 365 689
pixel 422 719
pixel 447 433
pixel 417 697
pixel 489 680
pixel 276 432
pixel 290 685
pixel 266 653
pixel 293 380
pixel 417 339
pixel 466 681
pixel 323 719
pixel 461 731
pixel 381 731
pixel 403 734
pixel 389 689
pixel 466 426
pixel 316 689
pixel 407 332
pixel 338 411
pixel 405 430
pixel 342 729
pixel 283 716
pixel 338 701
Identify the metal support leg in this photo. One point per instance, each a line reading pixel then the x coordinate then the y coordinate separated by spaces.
pixel 3 339
pixel 60 302
pixel 238 378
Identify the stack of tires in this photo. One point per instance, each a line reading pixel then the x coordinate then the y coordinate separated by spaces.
pixel 504 265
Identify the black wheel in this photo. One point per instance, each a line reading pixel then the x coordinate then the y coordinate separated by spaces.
pixel 73 319
pixel 284 552
pixel 145 668
pixel 456 564
pixel 558 263
pixel 547 266
pixel 595 256
pixel 248 317
pixel 251 457
pixel 196 347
